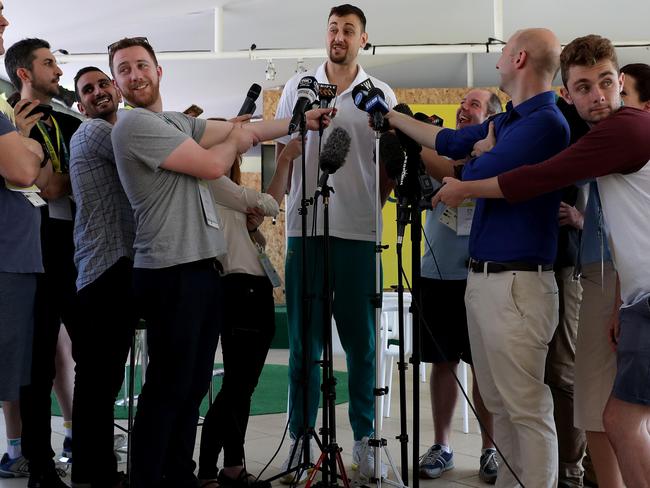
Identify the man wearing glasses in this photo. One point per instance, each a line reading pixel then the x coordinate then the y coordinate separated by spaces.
pixel 163 160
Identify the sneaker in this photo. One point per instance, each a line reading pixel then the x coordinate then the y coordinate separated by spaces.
pixel 13 468
pixel 435 462
pixel 488 466
pixel 119 442
pixel 363 459
pixel 294 457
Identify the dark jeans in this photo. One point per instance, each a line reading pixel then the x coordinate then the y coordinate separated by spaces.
pixel 56 302
pixel 100 349
pixel 182 306
pixel 248 328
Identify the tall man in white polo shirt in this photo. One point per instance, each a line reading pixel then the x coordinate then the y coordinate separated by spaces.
pixel 352 243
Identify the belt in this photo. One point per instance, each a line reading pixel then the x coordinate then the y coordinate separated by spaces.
pixel 496 267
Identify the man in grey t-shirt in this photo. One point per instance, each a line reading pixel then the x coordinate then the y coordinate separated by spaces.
pixel 163 160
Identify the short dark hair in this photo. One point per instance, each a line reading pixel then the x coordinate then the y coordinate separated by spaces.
pixel 21 55
pixel 586 51
pixel 641 74
pixel 79 74
pixel 494 104
pixel 347 9
pixel 130 42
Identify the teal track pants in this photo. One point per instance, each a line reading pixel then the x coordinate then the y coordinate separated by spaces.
pixel 352 281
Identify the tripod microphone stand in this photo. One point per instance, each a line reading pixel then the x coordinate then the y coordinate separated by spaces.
pixel 330 458
pixel 307 432
pixel 377 442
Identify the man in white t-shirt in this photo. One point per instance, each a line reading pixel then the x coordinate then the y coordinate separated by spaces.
pixel 352 243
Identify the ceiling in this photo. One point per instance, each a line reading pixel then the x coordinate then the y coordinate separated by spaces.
pixel 219 85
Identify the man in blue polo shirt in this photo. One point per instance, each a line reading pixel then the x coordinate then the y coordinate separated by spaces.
pixel 511 298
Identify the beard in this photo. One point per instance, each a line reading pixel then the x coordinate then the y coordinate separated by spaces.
pixel 48 89
pixel 143 98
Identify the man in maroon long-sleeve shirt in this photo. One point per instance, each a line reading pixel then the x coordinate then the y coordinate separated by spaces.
pixel 616 152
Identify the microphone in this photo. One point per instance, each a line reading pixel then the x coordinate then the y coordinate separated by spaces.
pixel 248 107
pixel 332 156
pixel 307 95
pixel 391 154
pixel 326 93
pixel 377 107
pixel 360 93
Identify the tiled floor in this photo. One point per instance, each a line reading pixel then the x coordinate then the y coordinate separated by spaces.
pixel 264 434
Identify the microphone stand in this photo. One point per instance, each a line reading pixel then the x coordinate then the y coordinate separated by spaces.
pixel 330 457
pixel 307 431
pixel 377 442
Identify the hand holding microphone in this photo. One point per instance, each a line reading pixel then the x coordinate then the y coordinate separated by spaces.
pixel 307 93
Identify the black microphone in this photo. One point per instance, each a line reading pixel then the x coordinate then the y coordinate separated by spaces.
pixel 307 95
pixel 326 93
pixel 248 107
pixel 376 107
pixel 332 156
pixel 360 93
pixel 391 154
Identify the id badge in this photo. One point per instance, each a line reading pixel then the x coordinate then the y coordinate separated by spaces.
pixel 209 210
pixel 60 208
pixel 269 269
pixel 449 217
pixel 35 199
pixel 465 217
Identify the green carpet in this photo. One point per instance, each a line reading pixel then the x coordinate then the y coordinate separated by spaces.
pixel 270 395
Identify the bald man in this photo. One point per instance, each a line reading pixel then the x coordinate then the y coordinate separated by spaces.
pixel 512 296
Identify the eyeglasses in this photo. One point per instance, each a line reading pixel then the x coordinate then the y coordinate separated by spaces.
pixel 129 41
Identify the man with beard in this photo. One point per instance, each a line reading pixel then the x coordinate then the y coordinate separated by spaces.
pixel 352 246
pixel 103 234
pixel 33 70
pixel 444 278
pixel 163 159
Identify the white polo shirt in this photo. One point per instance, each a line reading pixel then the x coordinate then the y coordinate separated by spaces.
pixel 352 206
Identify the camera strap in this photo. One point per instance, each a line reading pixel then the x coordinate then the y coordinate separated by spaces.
pixel 58 156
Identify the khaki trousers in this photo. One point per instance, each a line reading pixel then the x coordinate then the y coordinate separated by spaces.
pixel 595 361
pixel 560 366
pixel 512 317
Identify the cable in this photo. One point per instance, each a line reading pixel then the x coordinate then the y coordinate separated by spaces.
pixel 415 302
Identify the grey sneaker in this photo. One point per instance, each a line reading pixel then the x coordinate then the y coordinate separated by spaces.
pixel 488 466
pixel 435 462
pixel 13 468
pixel 363 459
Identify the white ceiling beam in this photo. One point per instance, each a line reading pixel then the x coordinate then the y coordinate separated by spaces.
pixel 218 29
pixel 470 69
pixel 497 18
pixel 266 54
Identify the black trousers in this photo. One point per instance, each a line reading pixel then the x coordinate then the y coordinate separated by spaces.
pixel 182 306
pixel 56 302
pixel 249 326
pixel 100 349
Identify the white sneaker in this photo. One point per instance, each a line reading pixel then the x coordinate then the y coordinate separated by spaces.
pixel 363 459
pixel 294 456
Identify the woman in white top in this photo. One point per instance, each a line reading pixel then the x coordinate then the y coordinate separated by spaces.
pixel 249 321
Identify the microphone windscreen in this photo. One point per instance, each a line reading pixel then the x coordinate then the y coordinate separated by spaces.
pixel 403 109
pixel 391 154
pixel 254 91
pixel 335 150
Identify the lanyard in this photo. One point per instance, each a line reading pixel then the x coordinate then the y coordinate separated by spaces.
pixel 58 164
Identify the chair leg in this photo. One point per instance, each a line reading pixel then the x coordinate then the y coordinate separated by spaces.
pixel 463 380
